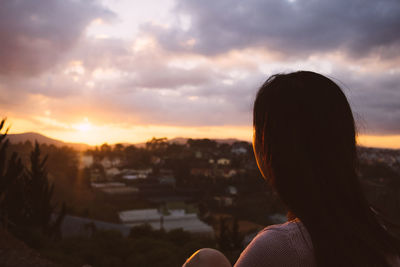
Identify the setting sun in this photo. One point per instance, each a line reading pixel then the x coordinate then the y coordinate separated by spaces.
pixel 84 126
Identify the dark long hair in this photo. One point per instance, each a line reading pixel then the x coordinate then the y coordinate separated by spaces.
pixel 305 146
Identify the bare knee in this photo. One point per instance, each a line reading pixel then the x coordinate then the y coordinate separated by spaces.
pixel 207 257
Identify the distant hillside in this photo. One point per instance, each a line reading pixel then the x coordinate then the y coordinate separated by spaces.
pixel 32 137
pixel 42 139
pixel 183 140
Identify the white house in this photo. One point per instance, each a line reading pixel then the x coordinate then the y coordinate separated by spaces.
pixel 239 150
pixel 114 188
pixel 109 163
pixel 223 161
pixel 175 219
pixel 86 161
pixel 131 174
pixel 111 172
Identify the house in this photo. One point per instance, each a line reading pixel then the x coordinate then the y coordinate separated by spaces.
pixel 114 188
pixel 125 190
pixel 109 163
pixel 173 219
pixel 166 176
pixel 229 173
pixel 106 163
pixel 224 201
pixel 223 161
pixel 238 150
pixel 155 160
pixel 96 175
pixel 231 190
pixel 78 226
pixel 104 185
pixel 167 180
pixel 131 174
pixel 111 172
pixel 86 161
pixel 207 172
pixel 166 172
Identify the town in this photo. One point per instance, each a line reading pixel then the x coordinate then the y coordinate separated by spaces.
pixel 194 184
pixel 188 184
pixel 211 190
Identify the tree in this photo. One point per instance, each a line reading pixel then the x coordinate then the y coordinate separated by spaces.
pixel 202 144
pixel 15 197
pixel 40 192
pixel 25 195
pixel 137 157
pixel 3 161
pixel 236 236
pixel 157 145
pixel 4 182
pixel 224 236
pixel 62 162
pixel 12 185
pixel 118 151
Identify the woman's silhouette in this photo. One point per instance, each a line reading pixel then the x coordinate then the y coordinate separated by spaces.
pixel 305 146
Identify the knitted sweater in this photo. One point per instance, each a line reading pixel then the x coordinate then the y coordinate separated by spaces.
pixel 287 244
pixel 284 245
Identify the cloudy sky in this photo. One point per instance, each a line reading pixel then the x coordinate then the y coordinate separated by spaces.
pixel 127 70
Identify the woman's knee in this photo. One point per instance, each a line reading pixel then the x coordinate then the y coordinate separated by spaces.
pixel 207 257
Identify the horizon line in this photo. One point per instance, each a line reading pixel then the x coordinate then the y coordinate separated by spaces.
pixel 66 142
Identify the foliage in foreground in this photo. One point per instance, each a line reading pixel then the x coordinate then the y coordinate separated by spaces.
pixel 144 247
pixel 25 192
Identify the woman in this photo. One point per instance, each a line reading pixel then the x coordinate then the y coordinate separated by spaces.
pixel 305 146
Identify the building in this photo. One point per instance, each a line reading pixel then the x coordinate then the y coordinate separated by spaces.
pixel 111 172
pixel 207 172
pixel 174 219
pixel 239 150
pixel 223 201
pixel 86 161
pixel 96 175
pixel 167 180
pixel 231 190
pixel 228 173
pixel 115 188
pixel 78 226
pixel 109 163
pixel 131 174
pixel 223 161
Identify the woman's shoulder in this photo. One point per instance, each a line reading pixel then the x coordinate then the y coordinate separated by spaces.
pixel 285 244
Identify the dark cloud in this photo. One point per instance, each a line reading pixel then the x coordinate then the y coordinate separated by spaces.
pixel 172 77
pixel 150 68
pixel 41 39
pixel 35 34
pixel 375 100
pixel 167 108
pixel 297 27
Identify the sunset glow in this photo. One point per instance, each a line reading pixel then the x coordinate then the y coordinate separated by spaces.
pixel 124 71
pixel 84 126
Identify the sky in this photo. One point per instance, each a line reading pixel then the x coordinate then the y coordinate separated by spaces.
pixel 128 70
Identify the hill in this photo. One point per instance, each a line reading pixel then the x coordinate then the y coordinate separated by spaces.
pixel 32 137
pixel 42 139
pixel 183 140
